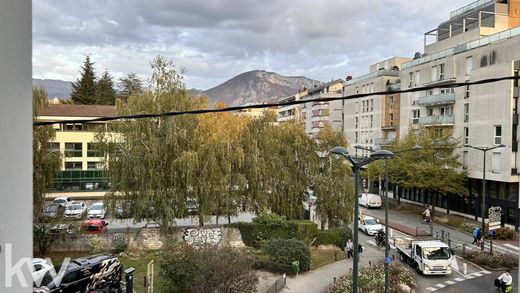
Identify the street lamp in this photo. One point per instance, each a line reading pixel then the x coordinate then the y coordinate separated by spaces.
pixel 356 166
pixel 415 148
pixel 483 202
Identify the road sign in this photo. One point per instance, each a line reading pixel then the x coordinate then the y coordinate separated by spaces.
pixel 388 259
pixel 494 225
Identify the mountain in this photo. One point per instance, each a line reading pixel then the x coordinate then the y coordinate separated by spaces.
pixel 257 86
pixel 54 87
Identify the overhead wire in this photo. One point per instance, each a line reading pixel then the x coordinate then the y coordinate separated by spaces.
pixel 279 104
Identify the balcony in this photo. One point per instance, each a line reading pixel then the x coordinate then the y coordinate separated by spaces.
pixel 73 153
pixel 381 72
pixel 393 87
pixel 384 141
pixel 440 99
pixel 437 120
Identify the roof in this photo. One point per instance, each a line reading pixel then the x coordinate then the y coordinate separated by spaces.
pixel 70 110
pixel 431 243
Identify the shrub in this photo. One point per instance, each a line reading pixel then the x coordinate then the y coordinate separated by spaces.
pixel 305 230
pixel 255 234
pixel 496 260
pixel 345 234
pixel 504 233
pixel 371 279
pixel 207 269
pixel 285 251
pixel 274 267
pixel 96 245
pixel 331 236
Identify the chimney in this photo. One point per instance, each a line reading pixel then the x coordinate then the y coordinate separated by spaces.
pixel 349 77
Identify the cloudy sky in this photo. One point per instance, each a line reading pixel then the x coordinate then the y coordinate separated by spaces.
pixel 215 40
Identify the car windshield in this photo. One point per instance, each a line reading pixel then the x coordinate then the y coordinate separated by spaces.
pixel 436 253
pixel 96 207
pixel 370 222
pixel 59 200
pixel 91 228
pixel 75 207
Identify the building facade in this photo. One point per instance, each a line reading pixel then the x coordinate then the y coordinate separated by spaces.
pixel 479 41
pixel 81 173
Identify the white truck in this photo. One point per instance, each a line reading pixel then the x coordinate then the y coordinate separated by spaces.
pixel 429 257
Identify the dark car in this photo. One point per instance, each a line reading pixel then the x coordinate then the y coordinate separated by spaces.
pixel 84 274
pixel 53 210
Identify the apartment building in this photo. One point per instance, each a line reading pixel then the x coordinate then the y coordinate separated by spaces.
pixel 81 173
pixel 479 41
pixel 373 121
pixel 314 115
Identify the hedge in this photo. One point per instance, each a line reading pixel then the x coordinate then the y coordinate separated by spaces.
pixel 305 230
pixel 286 251
pixel 336 236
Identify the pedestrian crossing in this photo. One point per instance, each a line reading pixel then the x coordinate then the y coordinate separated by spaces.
pixel 456 280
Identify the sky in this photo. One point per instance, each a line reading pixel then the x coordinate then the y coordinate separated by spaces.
pixel 215 40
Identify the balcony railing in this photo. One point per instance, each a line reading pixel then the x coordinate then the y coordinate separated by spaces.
pixel 384 141
pixel 393 87
pixel 469 7
pixel 381 72
pixel 73 153
pixel 437 120
pixel 440 99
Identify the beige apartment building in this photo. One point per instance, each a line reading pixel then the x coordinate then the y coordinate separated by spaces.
pixel 480 40
pixel 373 121
pixel 81 173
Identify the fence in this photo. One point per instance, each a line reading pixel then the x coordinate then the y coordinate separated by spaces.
pixel 278 284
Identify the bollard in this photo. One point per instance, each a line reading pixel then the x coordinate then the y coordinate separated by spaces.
pixel 463 249
pixel 129 277
pixel 442 235
pixel 334 280
pixel 431 229
pixel 490 246
pixel 335 256
pixel 464 268
pixel 393 257
pixel 391 232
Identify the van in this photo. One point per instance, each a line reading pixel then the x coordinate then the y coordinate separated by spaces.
pixel 370 200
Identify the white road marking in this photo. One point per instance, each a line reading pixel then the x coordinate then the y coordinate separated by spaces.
pixel 431 289
pixel 459 279
pixel 450 282
pixel 511 246
pixel 440 285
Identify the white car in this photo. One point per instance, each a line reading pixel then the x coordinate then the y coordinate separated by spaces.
pixel 63 201
pixel 75 210
pixel 41 266
pixel 370 200
pixel 96 210
pixel 369 225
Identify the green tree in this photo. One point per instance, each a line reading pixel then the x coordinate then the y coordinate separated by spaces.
pixel 150 160
pixel 45 165
pixel 332 184
pixel 105 92
pixel 129 85
pixel 207 269
pixel 84 89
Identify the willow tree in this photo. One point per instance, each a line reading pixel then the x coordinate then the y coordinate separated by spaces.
pixel 333 184
pixel 145 157
pixel 45 165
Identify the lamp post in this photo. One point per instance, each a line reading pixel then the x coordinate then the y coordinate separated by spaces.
pixel 415 148
pixel 483 202
pixel 356 166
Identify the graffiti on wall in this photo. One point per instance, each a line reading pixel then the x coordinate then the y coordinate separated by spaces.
pixel 202 236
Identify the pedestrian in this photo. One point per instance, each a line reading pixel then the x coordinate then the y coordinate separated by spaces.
pixel 479 236
pixel 360 248
pixel 475 234
pixel 349 248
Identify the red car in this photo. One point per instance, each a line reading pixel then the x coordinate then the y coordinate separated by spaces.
pixel 94 226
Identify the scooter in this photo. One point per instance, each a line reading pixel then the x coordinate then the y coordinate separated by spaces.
pixel 380 240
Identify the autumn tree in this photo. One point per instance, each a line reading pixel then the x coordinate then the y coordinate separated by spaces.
pixel 105 91
pixel 84 89
pixel 333 185
pixel 45 165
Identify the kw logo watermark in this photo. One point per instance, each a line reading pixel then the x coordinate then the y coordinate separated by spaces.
pixel 45 270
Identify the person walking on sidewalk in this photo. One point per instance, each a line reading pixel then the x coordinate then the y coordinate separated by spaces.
pixel 479 236
pixel 475 234
pixel 348 248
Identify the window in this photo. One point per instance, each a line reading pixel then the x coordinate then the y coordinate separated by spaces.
pixel 416 115
pixel 73 165
pixel 496 162
pixel 498 134
pixel 54 147
pixel 466 135
pixel 430 112
pixel 74 126
pixel 465 160
pixel 93 150
pixel 73 149
pixel 356 119
pixel 417 77
pixel 466 96
pixel 371 105
pixel 447 111
pixel 410 79
pixel 357 136
pixel 466 112
pixel 469 65
pixel 371 121
pixel 94 165
pixel 441 72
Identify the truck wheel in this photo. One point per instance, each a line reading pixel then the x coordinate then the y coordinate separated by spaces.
pixel 418 269
pixel 401 257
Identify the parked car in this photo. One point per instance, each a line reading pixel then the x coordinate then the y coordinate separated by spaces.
pixel 96 210
pixel 123 210
pixel 53 210
pixel 75 210
pixel 40 268
pixel 369 225
pixel 94 226
pixel 63 201
pixel 85 274
pixel 64 228
pixel 370 200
